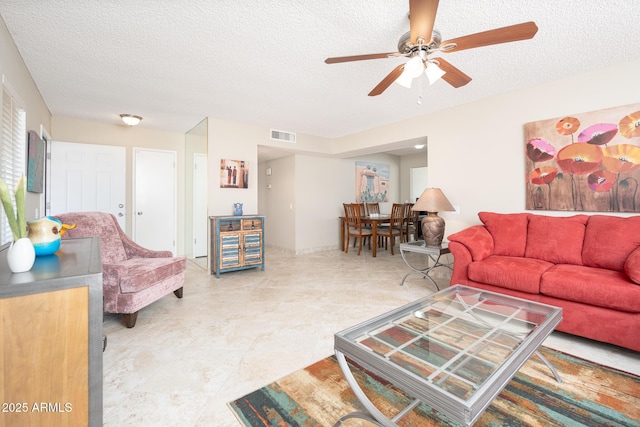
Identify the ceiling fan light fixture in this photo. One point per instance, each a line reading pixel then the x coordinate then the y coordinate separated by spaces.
pixel 434 72
pixel 405 80
pixel 130 119
pixel 414 67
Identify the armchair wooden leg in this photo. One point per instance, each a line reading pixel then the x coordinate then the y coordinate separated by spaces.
pixel 178 292
pixel 130 319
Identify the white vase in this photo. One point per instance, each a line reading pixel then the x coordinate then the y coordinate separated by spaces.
pixel 21 255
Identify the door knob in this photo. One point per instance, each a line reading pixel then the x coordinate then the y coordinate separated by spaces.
pixel 139 213
pixel 120 214
pixel 121 205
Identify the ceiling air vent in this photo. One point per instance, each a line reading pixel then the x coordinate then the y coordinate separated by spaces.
pixel 280 135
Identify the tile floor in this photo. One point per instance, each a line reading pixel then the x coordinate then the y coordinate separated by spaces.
pixel 185 359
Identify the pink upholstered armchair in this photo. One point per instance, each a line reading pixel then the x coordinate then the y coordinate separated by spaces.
pixel 132 276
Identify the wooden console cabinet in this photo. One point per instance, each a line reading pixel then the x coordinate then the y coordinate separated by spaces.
pixel 237 243
pixel 51 338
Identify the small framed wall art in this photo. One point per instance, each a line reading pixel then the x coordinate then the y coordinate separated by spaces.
pixel 234 174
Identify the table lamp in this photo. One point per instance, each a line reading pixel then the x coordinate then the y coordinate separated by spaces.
pixel 432 201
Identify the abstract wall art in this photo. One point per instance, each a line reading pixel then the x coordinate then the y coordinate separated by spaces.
pixel 587 162
pixel 35 163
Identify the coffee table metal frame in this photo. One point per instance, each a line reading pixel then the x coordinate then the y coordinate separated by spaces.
pixel 434 253
pixel 490 321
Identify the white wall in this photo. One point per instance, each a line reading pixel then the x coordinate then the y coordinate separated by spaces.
pixel 280 225
pixel 321 186
pixel 15 73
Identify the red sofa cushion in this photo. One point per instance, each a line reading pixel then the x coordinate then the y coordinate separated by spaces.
pixel 521 274
pixel 609 241
pixel 632 266
pixel 592 286
pixel 556 239
pixel 509 232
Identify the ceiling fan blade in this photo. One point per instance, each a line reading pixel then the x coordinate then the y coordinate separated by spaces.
pixel 358 57
pixel 386 82
pixel 422 15
pixel 508 34
pixel 453 75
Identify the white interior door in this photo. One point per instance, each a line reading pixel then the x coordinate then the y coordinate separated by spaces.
pixel 88 177
pixel 199 205
pixel 154 188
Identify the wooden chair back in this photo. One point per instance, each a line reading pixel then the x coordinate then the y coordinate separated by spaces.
pixel 397 215
pixel 373 208
pixel 353 213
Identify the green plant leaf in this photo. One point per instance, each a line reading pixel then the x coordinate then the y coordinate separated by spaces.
pixel 7 204
pixel 21 189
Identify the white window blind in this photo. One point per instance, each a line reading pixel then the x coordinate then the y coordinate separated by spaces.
pixel 12 151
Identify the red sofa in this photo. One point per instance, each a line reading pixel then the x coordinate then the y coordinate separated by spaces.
pixel 587 264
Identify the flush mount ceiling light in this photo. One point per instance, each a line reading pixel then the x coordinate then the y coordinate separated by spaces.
pixel 130 119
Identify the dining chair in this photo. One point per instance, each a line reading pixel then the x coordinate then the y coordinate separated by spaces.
pixel 355 229
pixel 373 208
pixel 395 226
pixel 411 223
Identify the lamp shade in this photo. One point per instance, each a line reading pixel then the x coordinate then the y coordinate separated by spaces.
pixel 433 200
pixel 433 72
pixel 414 67
pixel 405 79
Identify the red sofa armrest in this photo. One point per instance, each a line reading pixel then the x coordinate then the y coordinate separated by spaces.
pixel 632 266
pixel 471 244
pixel 476 240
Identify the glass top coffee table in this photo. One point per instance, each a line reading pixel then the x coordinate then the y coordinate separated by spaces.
pixel 455 350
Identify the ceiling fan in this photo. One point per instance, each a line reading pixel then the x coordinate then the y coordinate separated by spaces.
pixel 422 41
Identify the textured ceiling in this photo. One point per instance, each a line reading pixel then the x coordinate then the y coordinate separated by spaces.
pixel 177 62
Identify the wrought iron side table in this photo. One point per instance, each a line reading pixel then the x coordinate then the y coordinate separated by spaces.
pixel 434 253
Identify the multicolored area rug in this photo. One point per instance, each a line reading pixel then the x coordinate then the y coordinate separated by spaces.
pixel 318 395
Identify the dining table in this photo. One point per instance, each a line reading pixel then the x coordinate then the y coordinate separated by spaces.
pixel 374 220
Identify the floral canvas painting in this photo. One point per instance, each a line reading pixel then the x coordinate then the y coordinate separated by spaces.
pixel 586 162
pixel 372 182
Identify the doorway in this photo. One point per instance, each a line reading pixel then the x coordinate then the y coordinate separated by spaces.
pixel 418 182
pixel 196 216
pixel 88 177
pixel 199 205
pixel 154 199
